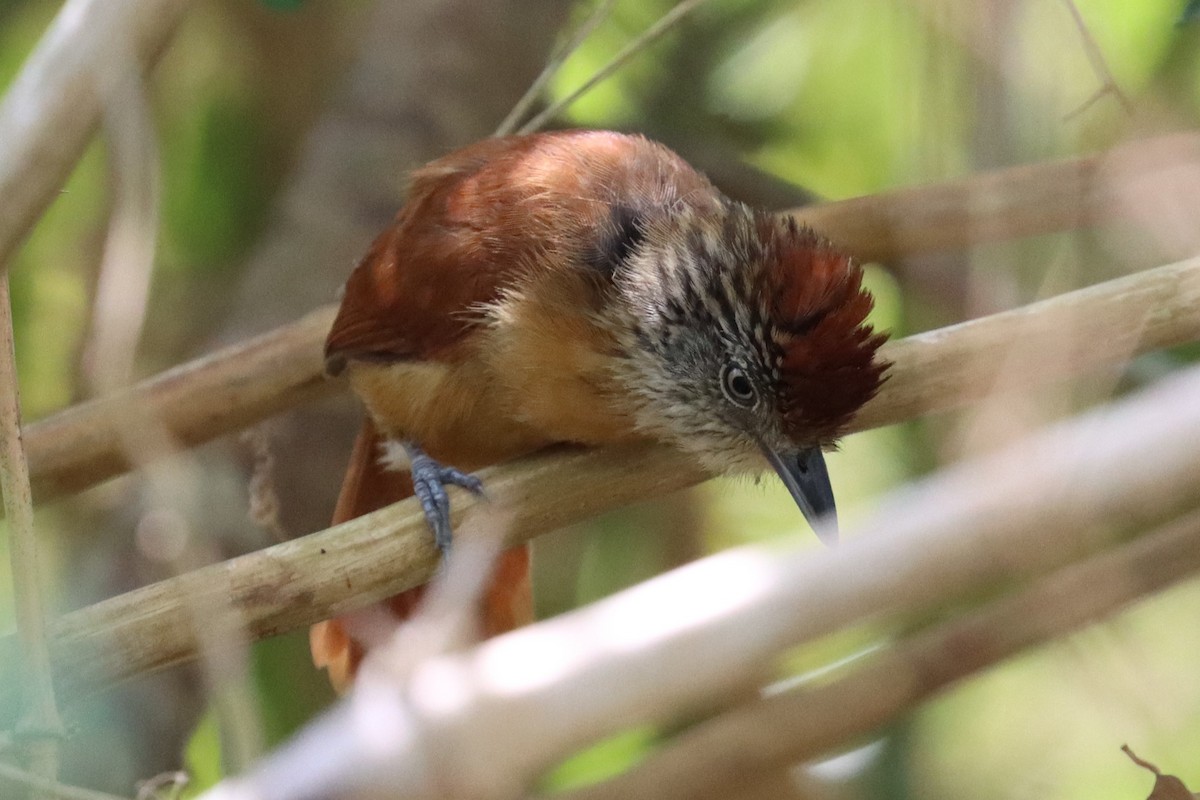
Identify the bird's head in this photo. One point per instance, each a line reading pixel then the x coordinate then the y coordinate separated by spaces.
pixel 748 338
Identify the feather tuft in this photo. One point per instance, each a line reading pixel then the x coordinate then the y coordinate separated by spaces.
pixel 827 352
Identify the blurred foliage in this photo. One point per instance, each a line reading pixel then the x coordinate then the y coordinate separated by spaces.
pixel 844 97
pixel 605 760
pixel 1191 13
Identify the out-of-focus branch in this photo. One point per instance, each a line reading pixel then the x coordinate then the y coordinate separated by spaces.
pixel 1003 204
pixel 245 383
pixel 197 401
pixel 34 676
pixel 321 575
pixel 522 701
pixel 805 722
pixel 51 109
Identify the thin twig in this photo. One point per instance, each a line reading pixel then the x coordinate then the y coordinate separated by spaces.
pixel 1108 83
pixel 52 789
pixel 248 382
pixel 42 721
pixel 1141 762
pixel 1090 101
pixel 660 27
pixel 553 65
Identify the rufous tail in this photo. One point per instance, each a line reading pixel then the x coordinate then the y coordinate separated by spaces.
pixel 507 602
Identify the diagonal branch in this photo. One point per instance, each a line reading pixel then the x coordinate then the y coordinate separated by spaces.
pixel 808 721
pixel 351 565
pixel 522 701
pixel 51 110
pixel 246 383
pixel 195 402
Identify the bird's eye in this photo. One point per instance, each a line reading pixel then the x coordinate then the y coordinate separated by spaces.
pixel 738 387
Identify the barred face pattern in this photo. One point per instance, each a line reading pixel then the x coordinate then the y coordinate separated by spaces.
pixel 740 330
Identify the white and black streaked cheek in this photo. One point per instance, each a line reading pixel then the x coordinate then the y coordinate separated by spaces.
pixel 679 400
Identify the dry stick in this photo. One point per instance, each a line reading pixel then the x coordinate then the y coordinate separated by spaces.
pixel 318 576
pixel 41 721
pixel 808 721
pixel 522 701
pixel 660 27
pixel 553 65
pixel 50 112
pixel 245 383
pixel 1108 83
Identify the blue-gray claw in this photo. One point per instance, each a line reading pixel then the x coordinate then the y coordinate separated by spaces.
pixel 430 479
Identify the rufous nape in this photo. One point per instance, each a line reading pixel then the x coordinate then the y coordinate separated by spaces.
pixel 588 287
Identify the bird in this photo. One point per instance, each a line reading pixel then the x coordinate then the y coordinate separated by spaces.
pixel 591 288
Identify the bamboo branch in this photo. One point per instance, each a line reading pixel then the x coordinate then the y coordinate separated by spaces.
pixel 1097 328
pixel 245 383
pixel 309 579
pixel 195 402
pixel 522 701
pixel 1003 204
pixel 805 722
pixel 42 721
pixel 50 112
pixel 305 580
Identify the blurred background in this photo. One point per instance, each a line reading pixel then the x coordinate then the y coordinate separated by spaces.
pixel 285 131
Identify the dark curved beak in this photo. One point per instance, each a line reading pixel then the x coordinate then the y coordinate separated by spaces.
pixel 806 478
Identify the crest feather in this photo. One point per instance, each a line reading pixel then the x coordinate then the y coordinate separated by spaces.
pixel 828 366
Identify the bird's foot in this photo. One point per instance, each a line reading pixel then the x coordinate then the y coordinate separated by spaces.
pixel 430 479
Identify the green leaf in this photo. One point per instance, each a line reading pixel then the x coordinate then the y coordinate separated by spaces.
pixel 283 5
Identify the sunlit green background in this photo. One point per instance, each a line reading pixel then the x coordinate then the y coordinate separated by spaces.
pixel 840 97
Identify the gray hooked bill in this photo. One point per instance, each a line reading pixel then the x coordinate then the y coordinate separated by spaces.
pixel 804 474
